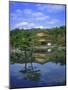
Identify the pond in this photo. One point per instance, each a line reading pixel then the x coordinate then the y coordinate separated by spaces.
pixel 47 69
pixel 48 74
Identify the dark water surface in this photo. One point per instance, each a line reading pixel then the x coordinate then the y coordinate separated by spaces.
pixel 48 74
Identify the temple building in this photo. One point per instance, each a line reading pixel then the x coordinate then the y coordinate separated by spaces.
pixel 43 38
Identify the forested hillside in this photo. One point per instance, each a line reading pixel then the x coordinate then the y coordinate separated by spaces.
pixel 20 38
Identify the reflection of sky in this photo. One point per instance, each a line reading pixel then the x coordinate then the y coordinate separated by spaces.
pixel 30 15
pixel 14 70
pixel 50 73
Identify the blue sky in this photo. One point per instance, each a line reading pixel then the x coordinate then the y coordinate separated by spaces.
pixel 34 15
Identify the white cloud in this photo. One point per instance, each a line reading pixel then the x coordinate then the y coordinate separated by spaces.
pixel 53 21
pixel 41 27
pixel 50 7
pixel 17 15
pixel 21 24
pixel 42 18
pixel 41 6
pixel 13 16
pixel 27 25
pixel 37 14
pixel 18 11
pixel 55 8
pixel 27 11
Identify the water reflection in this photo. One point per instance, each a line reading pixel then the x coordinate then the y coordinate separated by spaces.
pixel 39 56
pixel 43 75
pixel 31 74
pixel 39 67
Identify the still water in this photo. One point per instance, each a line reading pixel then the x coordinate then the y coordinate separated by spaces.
pixel 47 74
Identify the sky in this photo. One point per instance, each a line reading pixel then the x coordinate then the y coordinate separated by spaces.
pixel 36 15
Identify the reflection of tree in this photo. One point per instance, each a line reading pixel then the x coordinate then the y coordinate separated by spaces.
pixel 58 57
pixel 31 73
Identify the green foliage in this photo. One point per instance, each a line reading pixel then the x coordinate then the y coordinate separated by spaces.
pixel 27 38
pixel 57 35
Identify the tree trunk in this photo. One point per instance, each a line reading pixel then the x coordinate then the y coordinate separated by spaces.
pixel 25 60
pixel 31 58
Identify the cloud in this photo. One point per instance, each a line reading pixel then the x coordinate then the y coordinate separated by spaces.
pixel 12 15
pixel 18 11
pixel 41 6
pixel 36 17
pixel 17 15
pixel 27 11
pixel 37 14
pixel 25 25
pixel 28 25
pixel 40 16
pixel 41 27
pixel 32 13
pixel 50 7
pixel 21 24
pixel 53 22
pixel 55 8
